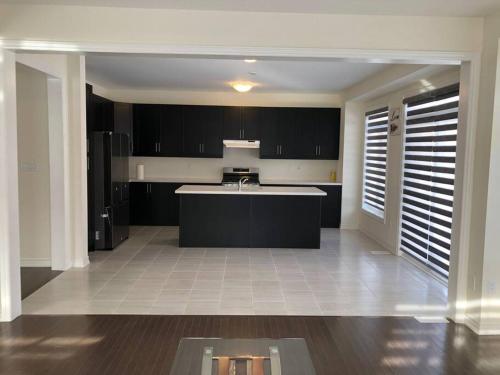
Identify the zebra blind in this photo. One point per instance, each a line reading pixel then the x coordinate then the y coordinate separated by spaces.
pixel 375 158
pixel 429 176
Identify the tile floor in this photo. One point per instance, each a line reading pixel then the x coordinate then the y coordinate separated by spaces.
pixel 150 274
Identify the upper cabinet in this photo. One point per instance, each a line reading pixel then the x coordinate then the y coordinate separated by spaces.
pixel 198 131
pixel 241 122
pixel 203 131
pixel 318 132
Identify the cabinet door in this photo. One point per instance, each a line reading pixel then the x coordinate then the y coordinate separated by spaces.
pixel 250 123
pixel 147 119
pixel 140 204
pixel 268 133
pixel 328 133
pixel 331 206
pixel 212 131
pixel 123 118
pixel 305 121
pixel 287 135
pixel 170 143
pixel 165 203
pixel 231 122
pixel 193 131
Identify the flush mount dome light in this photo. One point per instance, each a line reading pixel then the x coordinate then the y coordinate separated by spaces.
pixel 250 61
pixel 242 86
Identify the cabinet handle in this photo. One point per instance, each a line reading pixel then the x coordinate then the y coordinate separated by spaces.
pixel 241 137
pixel 159 146
pixel 281 150
pixel 319 150
pixel 316 150
pixel 243 131
pixel 277 149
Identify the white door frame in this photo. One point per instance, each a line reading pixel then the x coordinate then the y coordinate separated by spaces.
pixel 459 257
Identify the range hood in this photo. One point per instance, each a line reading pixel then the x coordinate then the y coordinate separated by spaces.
pixel 237 143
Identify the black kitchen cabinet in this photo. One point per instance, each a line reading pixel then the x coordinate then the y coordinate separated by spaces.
pixel 171 129
pixel 203 131
pixel 327 133
pixel 154 203
pixel 250 121
pixel 232 120
pixel 198 131
pixel 278 133
pixel 331 205
pixel 123 120
pixel 146 133
pixel 141 204
pixel 241 122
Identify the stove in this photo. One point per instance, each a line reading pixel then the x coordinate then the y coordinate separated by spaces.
pixel 232 176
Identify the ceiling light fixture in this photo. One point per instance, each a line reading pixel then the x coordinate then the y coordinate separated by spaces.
pixel 242 86
pixel 250 61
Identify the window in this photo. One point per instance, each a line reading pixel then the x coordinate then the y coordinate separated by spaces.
pixel 429 176
pixel 375 158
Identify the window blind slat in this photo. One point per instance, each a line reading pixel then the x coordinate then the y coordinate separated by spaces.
pixel 429 177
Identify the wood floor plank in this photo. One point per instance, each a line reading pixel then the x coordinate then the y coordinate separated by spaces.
pixel 128 344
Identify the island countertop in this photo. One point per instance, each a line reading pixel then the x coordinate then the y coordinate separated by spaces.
pixel 260 190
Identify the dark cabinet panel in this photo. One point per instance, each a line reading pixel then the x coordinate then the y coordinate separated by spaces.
pixel 147 119
pixel 278 133
pixel 268 133
pixel 141 208
pixel 203 131
pixel 123 119
pixel 171 128
pixel 331 205
pixel 328 133
pixel 250 121
pixel 307 145
pixel 165 203
pixel 232 120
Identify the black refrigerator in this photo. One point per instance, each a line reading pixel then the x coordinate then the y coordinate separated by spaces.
pixel 110 153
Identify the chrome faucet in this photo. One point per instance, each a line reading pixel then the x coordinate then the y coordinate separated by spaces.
pixel 241 182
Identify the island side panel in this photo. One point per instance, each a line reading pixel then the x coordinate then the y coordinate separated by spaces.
pixel 285 221
pixel 211 220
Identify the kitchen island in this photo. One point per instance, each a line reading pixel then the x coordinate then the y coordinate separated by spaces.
pixel 257 216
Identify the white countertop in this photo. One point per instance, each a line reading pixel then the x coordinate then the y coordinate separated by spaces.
pixel 261 190
pixel 190 180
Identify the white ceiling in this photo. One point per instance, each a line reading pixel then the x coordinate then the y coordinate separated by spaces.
pixel 389 7
pixel 205 74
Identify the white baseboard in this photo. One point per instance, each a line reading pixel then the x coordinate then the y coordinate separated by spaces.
pixel 475 326
pixel 385 245
pixel 35 262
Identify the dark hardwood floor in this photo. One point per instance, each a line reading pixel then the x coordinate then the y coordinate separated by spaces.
pixel 121 344
pixel 33 278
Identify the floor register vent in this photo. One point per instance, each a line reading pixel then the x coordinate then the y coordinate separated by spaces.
pixel 242 357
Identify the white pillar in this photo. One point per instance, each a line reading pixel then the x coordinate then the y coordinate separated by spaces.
pixel 489 322
pixel 10 278
pixel 78 158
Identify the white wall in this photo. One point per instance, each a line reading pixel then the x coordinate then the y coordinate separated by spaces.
pixel 34 167
pixel 386 233
pixel 212 168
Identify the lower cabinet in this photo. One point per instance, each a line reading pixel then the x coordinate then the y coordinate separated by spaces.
pixel 155 203
pixel 331 205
